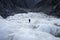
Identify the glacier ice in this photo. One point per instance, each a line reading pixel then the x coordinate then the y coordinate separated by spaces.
pixel 41 27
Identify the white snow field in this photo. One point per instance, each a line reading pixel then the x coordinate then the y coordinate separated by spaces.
pixel 40 27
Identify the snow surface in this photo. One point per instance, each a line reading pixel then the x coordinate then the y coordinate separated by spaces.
pixel 41 27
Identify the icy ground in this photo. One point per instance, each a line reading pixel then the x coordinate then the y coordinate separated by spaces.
pixel 41 27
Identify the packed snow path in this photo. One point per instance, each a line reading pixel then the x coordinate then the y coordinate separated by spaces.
pixel 40 27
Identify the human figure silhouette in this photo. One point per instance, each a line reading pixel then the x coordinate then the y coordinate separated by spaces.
pixel 29 20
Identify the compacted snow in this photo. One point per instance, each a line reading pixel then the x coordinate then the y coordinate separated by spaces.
pixel 40 27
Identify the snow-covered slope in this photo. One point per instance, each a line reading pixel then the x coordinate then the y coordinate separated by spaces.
pixel 40 27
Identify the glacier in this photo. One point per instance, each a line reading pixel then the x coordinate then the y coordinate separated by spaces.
pixel 41 27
